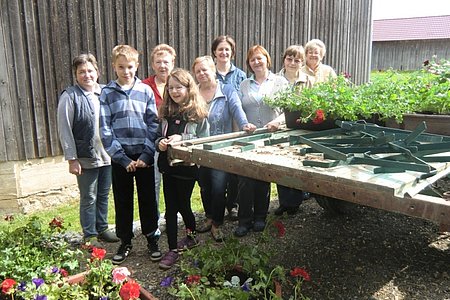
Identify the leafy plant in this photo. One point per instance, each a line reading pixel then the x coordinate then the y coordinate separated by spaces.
pixel 388 96
pixel 231 270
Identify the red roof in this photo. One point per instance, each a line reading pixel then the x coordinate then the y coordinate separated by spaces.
pixel 421 28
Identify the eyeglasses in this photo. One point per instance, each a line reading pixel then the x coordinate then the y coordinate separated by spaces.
pixel 176 88
pixel 296 61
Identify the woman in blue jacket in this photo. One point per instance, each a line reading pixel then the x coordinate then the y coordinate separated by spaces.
pixel 224 106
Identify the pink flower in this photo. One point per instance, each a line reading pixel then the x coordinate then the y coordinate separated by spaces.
pixel 120 275
pixel 130 290
pixel 8 285
pixel 98 253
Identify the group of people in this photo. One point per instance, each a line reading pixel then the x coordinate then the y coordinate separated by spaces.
pixel 119 133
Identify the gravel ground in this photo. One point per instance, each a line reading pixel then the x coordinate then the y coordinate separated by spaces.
pixel 366 254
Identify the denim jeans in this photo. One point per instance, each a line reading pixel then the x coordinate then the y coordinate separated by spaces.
pixel 94 185
pixel 253 200
pixel 289 197
pixel 213 184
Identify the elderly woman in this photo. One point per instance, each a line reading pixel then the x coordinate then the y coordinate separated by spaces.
pixel 224 107
pixel 254 195
pixel 314 68
pixel 78 127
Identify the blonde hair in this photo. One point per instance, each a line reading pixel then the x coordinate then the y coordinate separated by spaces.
pixel 207 59
pixel 316 44
pixel 193 108
pixel 163 48
pixel 129 52
pixel 254 49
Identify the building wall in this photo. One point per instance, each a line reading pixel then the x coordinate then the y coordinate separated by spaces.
pixel 407 55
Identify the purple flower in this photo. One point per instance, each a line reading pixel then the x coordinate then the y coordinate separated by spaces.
pixel 104 298
pixel 40 297
pixel 166 282
pixel 22 286
pixel 245 287
pixel 38 282
pixel 55 270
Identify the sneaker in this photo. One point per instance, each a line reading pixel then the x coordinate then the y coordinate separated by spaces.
pixel 187 243
pixel 122 254
pixel 259 226
pixel 169 259
pixel 108 236
pixel 153 248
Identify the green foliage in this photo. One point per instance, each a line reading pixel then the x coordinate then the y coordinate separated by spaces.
pixel 231 270
pixel 388 96
pixel 28 249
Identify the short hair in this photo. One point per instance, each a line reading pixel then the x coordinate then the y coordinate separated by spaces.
pixel 84 59
pixel 316 44
pixel 224 38
pixel 207 59
pixel 125 50
pixel 163 48
pixel 254 49
pixel 295 50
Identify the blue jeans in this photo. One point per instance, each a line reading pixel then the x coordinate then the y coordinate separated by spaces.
pixel 253 200
pixel 94 185
pixel 213 185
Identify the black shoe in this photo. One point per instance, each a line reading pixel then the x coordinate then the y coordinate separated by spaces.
pixel 122 254
pixel 108 236
pixel 241 231
pixel 153 248
pixel 259 226
pixel 306 195
pixel 282 209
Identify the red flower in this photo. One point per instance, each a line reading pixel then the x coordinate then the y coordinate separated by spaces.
pixel 193 279
pixel 299 272
pixel 98 253
pixel 63 272
pixel 130 290
pixel 320 117
pixel 280 227
pixel 56 222
pixel 7 285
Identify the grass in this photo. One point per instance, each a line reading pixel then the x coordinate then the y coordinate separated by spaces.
pixel 70 211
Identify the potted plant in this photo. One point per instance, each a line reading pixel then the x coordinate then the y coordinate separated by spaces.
pixel 392 96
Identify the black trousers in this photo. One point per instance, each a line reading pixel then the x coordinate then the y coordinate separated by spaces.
pixel 253 199
pixel 177 197
pixel 123 190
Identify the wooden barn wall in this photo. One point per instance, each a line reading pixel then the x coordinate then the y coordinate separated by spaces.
pixel 39 39
pixel 408 55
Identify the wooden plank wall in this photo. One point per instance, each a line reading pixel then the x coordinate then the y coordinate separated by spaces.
pixel 40 38
pixel 408 55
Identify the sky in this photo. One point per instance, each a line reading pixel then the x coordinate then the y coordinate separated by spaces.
pixel 392 9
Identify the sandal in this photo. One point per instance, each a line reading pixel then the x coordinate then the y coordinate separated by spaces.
pixel 217 234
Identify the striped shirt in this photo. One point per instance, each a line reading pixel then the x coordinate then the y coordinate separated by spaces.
pixel 128 122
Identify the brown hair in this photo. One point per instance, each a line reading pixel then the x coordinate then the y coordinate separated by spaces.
pixel 84 59
pixel 163 48
pixel 295 50
pixel 129 52
pixel 254 49
pixel 223 38
pixel 194 108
